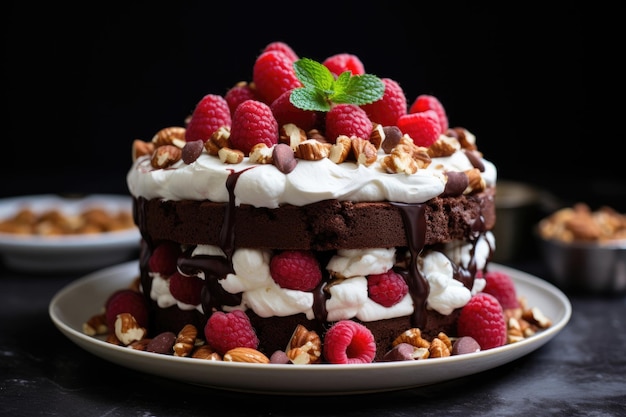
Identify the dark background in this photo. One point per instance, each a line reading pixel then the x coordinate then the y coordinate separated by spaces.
pixel 82 82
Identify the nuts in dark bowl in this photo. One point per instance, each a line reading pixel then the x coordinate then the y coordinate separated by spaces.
pixel 585 250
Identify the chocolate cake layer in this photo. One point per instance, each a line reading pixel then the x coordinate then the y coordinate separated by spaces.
pixel 327 225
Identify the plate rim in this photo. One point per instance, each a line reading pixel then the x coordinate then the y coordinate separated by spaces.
pixel 236 375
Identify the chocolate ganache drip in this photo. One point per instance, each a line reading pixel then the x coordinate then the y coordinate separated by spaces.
pixel 146 245
pixel 216 267
pixel 415 226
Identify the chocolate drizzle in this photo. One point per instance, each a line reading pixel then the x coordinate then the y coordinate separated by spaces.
pixel 319 299
pixel 146 246
pixel 415 226
pixel 216 267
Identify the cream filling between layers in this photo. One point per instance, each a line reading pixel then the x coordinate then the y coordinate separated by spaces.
pixel 348 298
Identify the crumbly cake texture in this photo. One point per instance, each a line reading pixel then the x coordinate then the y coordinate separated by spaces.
pixel 322 226
pixel 381 212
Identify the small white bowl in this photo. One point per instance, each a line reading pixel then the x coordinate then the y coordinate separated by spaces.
pixel 67 253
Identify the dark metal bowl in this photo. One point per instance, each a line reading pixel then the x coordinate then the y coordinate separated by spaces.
pixel 586 266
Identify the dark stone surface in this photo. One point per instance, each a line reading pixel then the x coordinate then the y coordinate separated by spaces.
pixel 580 372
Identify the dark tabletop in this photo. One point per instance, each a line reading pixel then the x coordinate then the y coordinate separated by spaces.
pixel 582 371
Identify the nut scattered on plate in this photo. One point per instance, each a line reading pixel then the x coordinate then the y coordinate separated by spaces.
pixel 581 224
pixel 53 222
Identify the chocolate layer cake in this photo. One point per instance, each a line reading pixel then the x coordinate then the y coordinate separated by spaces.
pixel 413 197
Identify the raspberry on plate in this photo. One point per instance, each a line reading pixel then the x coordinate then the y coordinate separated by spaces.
pixel 226 331
pixel 501 286
pixel 483 319
pixel 296 270
pixel 347 341
pixel 253 122
pixel 126 301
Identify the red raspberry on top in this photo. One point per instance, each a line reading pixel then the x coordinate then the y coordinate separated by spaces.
pixel 284 48
pixel 126 301
pixel 253 122
pixel 226 331
pixel 349 120
pixel 339 63
pixel 211 113
pixel 296 270
pixel 423 127
pixel 483 319
pixel 164 258
pixel 388 109
pixel 239 93
pixel 186 289
pixel 427 102
pixel 347 341
pixel 501 286
pixel 285 112
pixel 273 74
pixel 387 288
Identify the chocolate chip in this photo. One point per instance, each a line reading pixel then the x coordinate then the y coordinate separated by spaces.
pixel 283 158
pixel 162 343
pixel 192 150
pixel 456 184
pixel 465 344
pixel 400 352
pixel 393 134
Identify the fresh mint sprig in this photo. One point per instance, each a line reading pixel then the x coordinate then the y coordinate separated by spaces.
pixel 320 88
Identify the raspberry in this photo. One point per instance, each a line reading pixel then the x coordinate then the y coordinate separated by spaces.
pixel 164 258
pixel 186 289
pixel 126 301
pixel 273 74
pixel 296 270
pixel 225 331
pixel 422 127
pixel 388 109
pixel 349 342
pixel 427 102
pixel 284 48
pixel 211 113
pixel 349 120
pixel 339 63
pixel 285 112
pixel 501 286
pixel 239 93
pixel 483 319
pixel 253 122
pixel 387 289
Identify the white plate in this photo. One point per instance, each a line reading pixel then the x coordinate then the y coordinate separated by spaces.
pixel 67 253
pixel 81 299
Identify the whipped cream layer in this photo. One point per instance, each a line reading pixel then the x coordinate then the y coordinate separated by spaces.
pixel 348 297
pixel 309 182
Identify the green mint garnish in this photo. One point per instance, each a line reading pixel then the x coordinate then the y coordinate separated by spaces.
pixel 320 88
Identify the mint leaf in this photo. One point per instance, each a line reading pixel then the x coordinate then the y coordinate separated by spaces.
pixel 360 89
pixel 320 88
